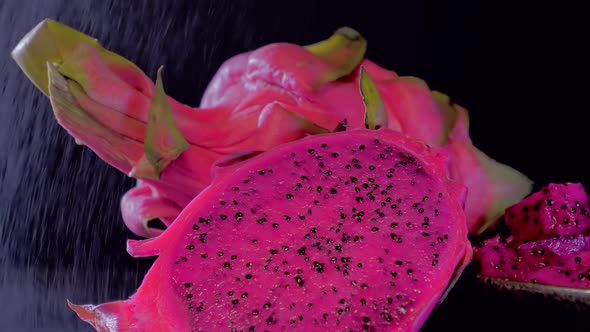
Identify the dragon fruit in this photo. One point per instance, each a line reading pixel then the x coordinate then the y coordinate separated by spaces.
pixel 359 229
pixel 257 100
pixel 549 240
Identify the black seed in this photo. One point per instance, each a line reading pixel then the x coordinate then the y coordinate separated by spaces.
pixel 299 281
pixel 289 196
pixel 359 199
pixel 357 166
pixel 235 301
pixel 188 284
pixel 311 151
pixel 424 234
pixel 353 179
pixel 394 225
pixel 398 262
pixel 420 210
pixel 189 296
pixel 239 216
pixel 226 264
pixel 338 247
pixel 435 262
pixel 578 260
pixel 203 255
pixel 365 327
pixel 248 276
pixel 190 247
pixel 335 154
pixel 196 227
pixel 328 173
pixel 274 251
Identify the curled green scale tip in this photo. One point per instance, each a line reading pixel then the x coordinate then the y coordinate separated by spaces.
pixel 163 140
pixel 53 42
pixel 343 51
pixel 375 113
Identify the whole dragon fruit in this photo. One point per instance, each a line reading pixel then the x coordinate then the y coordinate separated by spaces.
pixel 549 240
pixel 354 230
pixel 257 100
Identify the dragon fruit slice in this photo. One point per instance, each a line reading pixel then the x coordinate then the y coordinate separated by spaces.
pixel 275 94
pixel 354 230
pixel 549 241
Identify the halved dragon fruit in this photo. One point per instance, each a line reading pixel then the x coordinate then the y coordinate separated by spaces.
pixel 353 230
pixel 549 240
pixel 257 100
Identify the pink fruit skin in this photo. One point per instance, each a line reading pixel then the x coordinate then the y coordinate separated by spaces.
pixel 260 99
pixel 388 271
pixel 542 248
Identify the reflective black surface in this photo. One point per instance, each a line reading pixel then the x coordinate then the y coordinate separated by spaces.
pixel 518 71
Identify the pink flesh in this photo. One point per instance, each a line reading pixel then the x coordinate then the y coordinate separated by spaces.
pixel 556 210
pixel 559 262
pixel 542 248
pixel 435 250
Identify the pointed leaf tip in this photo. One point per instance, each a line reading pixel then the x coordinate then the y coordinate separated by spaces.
pixel 349 33
pixel 51 41
pixel 375 113
pixel 48 41
pixel 163 140
pixel 343 51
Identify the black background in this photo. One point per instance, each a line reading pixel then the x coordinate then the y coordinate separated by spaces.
pixel 518 70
